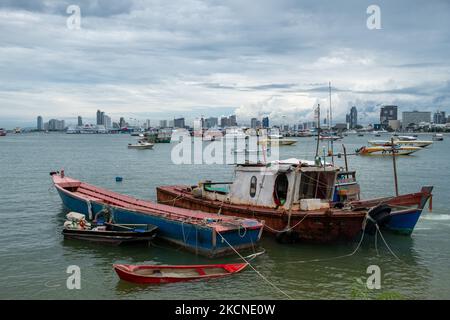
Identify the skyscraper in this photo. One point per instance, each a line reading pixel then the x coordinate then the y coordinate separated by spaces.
pixel 99 117
pixel 387 113
pixel 122 123
pixel 224 122
pixel 415 117
pixel 40 123
pixel 439 117
pixel 253 123
pixel 233 122
pixel 56 125
pixel 265 122
pixel 80 121
pixel 353 118
pixel 211 122
pixel 178 123
pixel 106 121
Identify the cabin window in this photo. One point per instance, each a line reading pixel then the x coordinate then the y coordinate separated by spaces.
pixel 253 182
pixel 317 184
pixel 281 189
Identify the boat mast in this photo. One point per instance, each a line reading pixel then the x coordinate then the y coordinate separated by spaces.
pixel 395 167
pixel 331 114
pixel 331 126
pixel 318 129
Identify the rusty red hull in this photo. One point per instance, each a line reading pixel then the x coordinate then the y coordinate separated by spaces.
pixel 311 226
pixel 418 200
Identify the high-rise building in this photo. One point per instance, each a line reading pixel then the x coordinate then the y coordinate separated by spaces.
pixel 178 123
pixel 387 113
pixel 224 122
pixel 99 117
pixel 163 123
pixel 253 123
pixel 106 121
pixel 211 122
pixel 80 121
pixel 147 124
pixel 55 125
pixel 353 118
pixel 439 117
pixel 40 123
pixel 265 122
pixel 122 122
pixel 415 117
pixel 233 122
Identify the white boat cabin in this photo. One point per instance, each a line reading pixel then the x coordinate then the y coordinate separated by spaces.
pixel 279 184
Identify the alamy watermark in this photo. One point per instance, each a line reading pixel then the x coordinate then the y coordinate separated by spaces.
pixel 374 20
pixel 374 280
pixel 229 149
pixel 74 279
pixel 73 22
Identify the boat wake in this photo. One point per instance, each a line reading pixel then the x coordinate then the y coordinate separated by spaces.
pixel 436 217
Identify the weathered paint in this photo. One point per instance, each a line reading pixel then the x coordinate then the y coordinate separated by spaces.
pixel 314 226
pixel 188 229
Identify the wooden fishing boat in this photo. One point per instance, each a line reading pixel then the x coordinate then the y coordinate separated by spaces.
pixel 405 210
pixel 115 234
pixel 167 274
pixel 387 151
pixel 291 196
pixel 196 231
pixel 275 196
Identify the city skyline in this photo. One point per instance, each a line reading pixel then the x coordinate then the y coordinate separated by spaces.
pixel 348 118
pixel 389 118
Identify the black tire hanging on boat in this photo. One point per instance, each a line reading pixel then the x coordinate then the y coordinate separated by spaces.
pixel 287 237
pixel 380 214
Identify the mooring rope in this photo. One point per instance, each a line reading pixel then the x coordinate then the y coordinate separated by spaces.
pixel 288 229
pixel 338 257
pixel 172 200
pixel 248 263
pixel 387 246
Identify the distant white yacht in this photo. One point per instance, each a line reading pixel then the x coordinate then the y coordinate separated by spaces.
pixel 235 133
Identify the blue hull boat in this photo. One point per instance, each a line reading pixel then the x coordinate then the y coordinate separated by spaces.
pixel 203 233
pixel 405 210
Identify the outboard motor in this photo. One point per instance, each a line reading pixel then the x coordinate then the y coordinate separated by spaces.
pixel 379 215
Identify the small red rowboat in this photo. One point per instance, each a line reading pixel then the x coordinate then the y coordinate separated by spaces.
pixel 167 274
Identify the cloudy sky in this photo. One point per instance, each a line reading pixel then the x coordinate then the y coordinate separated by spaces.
pixel 159 59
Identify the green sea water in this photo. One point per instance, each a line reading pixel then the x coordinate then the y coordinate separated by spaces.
pixel 34 256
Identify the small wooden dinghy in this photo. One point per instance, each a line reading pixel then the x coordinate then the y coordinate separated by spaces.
pixel 113 233
pixel 168 274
